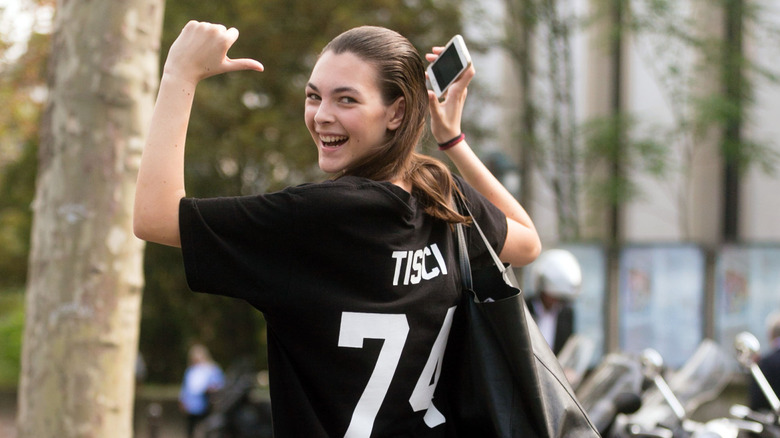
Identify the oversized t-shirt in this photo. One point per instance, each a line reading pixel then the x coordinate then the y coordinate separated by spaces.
pixel 358 287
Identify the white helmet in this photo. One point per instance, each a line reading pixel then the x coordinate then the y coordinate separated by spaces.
pixel 557 273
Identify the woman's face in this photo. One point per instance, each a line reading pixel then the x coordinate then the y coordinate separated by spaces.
pixel 345 113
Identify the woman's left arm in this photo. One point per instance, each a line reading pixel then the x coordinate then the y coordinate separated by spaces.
pixel 522 244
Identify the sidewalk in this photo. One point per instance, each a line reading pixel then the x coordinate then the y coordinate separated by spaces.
pixel 172 424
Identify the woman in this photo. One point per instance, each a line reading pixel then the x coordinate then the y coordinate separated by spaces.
pixel 357 276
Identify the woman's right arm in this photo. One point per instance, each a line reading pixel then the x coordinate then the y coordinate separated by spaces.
pixel 199 52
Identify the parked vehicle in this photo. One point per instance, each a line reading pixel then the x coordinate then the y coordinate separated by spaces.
pixel 575 358
pixel 666 407
pixel 747 348
pixel 614 387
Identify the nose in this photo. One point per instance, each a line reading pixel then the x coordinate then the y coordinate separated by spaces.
pixel 324 115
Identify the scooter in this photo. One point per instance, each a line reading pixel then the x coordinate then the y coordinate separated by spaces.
pixel 575 357
pixel 666 406
pixel 767 424
pixel 614 387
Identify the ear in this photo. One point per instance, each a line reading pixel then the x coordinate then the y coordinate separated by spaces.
pixel 395 113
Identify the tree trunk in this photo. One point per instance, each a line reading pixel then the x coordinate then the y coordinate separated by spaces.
pixel 733 83
pixel 520 25
pixel 85 276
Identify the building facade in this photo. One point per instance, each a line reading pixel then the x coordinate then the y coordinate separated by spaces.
pixel 696 246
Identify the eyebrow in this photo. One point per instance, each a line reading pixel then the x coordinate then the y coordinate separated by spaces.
pixel 337 90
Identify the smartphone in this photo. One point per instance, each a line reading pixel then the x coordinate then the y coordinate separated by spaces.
pixel 452 61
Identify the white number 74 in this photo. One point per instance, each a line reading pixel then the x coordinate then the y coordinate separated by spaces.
pixel 394 329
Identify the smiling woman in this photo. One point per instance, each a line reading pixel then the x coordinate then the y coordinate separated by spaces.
pixel 346 113
pixel 360 269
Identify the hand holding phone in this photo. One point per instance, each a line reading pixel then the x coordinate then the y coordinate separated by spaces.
pixel 450 64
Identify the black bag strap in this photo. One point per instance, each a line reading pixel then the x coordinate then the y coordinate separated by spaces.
pixel 465 265
pixel 463 258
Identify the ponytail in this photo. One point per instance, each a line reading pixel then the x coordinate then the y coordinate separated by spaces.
pixel 434 187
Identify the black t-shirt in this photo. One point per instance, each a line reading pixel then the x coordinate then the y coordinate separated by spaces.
pixel 358 286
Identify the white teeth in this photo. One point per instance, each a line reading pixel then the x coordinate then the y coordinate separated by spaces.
pixel 332 138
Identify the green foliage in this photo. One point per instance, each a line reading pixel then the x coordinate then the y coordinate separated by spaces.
pixel 173 318
pixel 682 54
pixel 247 136
pixel 11 328
pixel 21 86
pixel 674 39
pixel 617 141
pixel 17 189
pixel 21 83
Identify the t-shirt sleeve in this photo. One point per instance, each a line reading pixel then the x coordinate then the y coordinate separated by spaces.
pixel 491 220
pixel 238 246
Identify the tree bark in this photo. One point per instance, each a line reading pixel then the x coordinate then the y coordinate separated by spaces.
pixel 86 272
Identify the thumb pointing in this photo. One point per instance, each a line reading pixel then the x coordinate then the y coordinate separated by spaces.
pixel 244 64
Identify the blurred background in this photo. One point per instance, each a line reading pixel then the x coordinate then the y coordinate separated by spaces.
pixel 640 135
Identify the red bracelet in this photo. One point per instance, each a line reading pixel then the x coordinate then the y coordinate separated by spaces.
pixel 448 144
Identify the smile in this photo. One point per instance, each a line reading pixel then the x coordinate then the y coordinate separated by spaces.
pixel 333 140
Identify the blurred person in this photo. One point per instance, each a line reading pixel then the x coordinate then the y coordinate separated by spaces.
pixel 202 378
pixel 557 280
pixel 769 365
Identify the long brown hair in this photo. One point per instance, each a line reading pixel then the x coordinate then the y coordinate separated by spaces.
pixel 401 73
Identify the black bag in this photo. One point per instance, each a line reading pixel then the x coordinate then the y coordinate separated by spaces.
pixel 507 381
